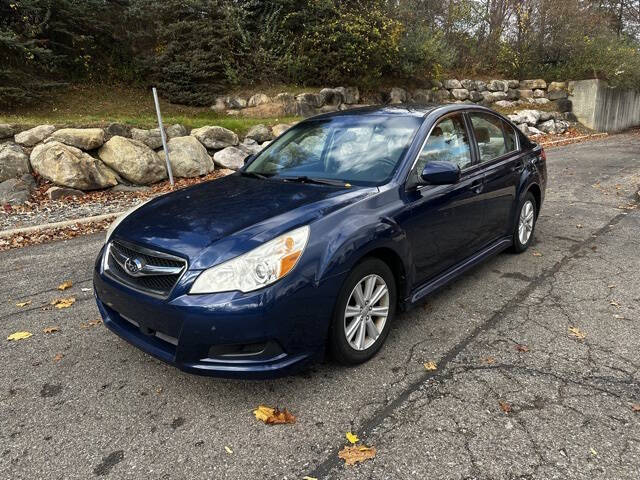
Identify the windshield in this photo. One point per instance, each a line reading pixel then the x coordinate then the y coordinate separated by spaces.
pixel 357 150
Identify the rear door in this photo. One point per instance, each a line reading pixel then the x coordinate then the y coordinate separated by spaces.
pixel 500 161
pixel 443 226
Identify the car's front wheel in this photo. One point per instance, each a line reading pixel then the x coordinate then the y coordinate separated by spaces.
pixel 363 312
pixel 525 224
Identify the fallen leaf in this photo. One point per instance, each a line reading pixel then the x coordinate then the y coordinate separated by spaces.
pixel 228 449
pixel 91 323
pixel 309 478
pixel 352 438
pixel 614 303
pixel 635 407
pixel 85 289
pixel 522 348
pixel 430 366
pixel 64 285
pixel 505 407
pixel 536 254
pixel 51 329
pixel 273 416
pixel 354 454
pixel 58 357
pixel 23 304
pixel 618 317
pixel 63 302
pixel 579 225
pixel 19 336
pixel 611 286
pixel 575 332
pixel 491 360
pixel 593 451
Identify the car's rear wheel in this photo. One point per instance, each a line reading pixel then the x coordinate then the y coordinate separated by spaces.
pixel 363 312
pixel 525 223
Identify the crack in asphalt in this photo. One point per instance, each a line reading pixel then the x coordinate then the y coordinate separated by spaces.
pixel 576 250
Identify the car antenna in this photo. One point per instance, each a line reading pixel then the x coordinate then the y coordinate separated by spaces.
pixel 164 136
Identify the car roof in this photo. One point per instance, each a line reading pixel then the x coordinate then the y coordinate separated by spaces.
pixel 406 109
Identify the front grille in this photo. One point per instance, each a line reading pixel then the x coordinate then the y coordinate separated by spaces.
pixel 157 276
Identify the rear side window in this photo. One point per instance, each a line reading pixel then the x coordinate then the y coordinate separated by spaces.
pixel 495 138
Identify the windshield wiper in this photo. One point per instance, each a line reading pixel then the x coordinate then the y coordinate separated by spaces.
pixel 253 174
pixel 318 181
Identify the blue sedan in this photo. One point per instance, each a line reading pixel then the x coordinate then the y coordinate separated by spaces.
pixel 320 239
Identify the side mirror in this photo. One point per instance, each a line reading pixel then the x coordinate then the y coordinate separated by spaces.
pixel 248 158
pixel 440 173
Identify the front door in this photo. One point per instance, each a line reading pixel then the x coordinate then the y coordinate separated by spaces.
pixel 445 220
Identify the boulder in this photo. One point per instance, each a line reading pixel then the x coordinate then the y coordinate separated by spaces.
pixel 525 93
pixel 544 116
pixel 215 137
pixel 423 96
pixel 6 130
pixel 557 94
pixel 117 129
pixel 350 95
pixel 541 101
pixel 513 84
pixel 285 98
pixel 133 160
pixel 270 110
pixel 235 102
pixel 513 94
pixel 481 86
pixel 557 86
pixel 524 128
pixel 71 167
pixel 533 131
pixel 83 138
pixel 504 104
pixel 176 130
pixel 331 96
pixel 498 86
pixel 13 161
pixel 437 84
pixel 279 129
pixel 230 157
pixel 451 84
pixel 492 97
pixel 58 193
pixel 314 100
pixel 14 191
pixel 250 146
pixel 530 117
pixel 260 133
pixel 468 84
pixel 188 157
pixel 564 105
pixel 220 105
pixel 538 93
pixel 533 84
pixel 548 127
pixel 442 95
pixel 460 93
pixel 258 99
pixel 475 96
pixel 398 95
pixel 151 138
pixel 35 135
pixel 561 126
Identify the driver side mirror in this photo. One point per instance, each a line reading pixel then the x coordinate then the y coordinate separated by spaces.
pixel 440 173
pixel 248 158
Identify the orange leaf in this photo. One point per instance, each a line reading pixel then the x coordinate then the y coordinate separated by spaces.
pixel 522 348
pixel 65 285
pixel 273 416
pixel 51 330
pixel 505 407
pixel 635 407
pixel 58 357
pixel 354 454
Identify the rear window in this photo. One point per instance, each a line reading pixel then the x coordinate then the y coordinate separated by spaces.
pixel 495 138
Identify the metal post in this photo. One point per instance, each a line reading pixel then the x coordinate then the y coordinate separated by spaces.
pixel 163 135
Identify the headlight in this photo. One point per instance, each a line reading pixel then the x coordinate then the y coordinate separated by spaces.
pixel 118 220
pixel 258 268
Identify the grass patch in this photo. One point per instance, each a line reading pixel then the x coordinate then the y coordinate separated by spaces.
pixel 89 106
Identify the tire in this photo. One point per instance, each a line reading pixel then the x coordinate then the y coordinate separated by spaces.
pixel 526 210
pixel 362 344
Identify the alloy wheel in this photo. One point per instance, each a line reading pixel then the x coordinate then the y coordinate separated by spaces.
pixel 366 312
pixel 525 224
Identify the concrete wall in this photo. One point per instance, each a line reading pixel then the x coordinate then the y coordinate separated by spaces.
pixel 603 108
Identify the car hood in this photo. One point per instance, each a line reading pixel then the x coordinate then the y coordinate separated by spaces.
pixel 213 221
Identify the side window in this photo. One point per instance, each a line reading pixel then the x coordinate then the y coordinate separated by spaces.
pixel 448 142
pixel 494 137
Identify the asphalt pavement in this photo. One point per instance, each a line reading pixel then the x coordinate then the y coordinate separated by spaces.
pixel 538 367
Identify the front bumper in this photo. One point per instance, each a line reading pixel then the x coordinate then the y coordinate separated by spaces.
pixel 290 318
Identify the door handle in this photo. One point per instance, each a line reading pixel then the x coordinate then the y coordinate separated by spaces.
pixel 477 186
pixel 518 167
